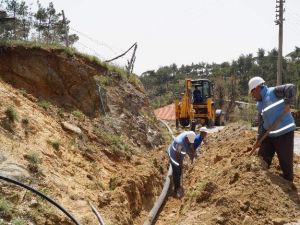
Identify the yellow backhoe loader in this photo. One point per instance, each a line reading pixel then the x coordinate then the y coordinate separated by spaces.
pixel 196 105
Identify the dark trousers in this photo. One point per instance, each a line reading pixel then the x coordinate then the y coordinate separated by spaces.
pixel 284 148
pixel 176 176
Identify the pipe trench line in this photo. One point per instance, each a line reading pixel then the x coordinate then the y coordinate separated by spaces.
pixel 41 195
pixel 164 193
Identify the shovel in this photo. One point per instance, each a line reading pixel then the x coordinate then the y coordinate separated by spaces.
pixel 274 125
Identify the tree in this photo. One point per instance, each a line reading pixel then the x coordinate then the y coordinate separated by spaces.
pixel 220 93
pixel 40 19
pixel 233 95
pixel 12 6
pixel 24 20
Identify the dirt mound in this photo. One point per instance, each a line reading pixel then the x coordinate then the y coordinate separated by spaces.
pixel 227 186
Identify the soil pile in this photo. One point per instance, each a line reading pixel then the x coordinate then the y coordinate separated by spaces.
pixel 227 186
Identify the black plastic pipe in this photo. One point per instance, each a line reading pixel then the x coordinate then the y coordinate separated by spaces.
pixel 100 219
pixel 41 195
pixel 162 197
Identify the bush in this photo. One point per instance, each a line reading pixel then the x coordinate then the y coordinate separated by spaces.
pixel 44 104
pixel 55 144
pixel 25 121
pixel 11 114
pixel 5 208
pixel 33 158
pixel 18 221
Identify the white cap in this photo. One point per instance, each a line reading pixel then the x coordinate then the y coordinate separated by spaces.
pixel 203 129
pixel 254 82
pixel 191 136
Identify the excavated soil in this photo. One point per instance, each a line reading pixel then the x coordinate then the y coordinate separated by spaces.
pixel 227 186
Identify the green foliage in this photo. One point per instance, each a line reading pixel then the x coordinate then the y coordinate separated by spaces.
pixel 165 85
pixel 77 114
pixel 55 144
pixel 45 24
pixel 196 191
pixel 18 221
pixel 33 158
pixel 113 183
pixel 5 208
pixel 11 114
pixel 44 104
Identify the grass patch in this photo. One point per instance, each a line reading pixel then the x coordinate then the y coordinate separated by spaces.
pixel 197 190
pixel 34 160
pixel 5 208
pixel 25 121
pixel 33 157
pixel 104 80
pixel 113 183
pixel 77 114
pixel 55 144
pixel 30 44
pixel 44 104
pixel 100 185
pixel 18 221
pixel 11 114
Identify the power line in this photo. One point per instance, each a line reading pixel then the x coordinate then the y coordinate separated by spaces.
pixel 92 50
pixel 93 40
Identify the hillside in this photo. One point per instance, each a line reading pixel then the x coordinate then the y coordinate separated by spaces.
pixel 59 136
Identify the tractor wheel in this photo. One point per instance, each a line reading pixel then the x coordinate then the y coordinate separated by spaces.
pixel 184 122
pixel 210 123
pixel 218 121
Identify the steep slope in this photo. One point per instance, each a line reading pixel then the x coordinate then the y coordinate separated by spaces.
pixel 105 158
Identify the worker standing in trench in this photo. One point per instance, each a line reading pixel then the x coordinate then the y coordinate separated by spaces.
pixel 273 105
pixel 181 145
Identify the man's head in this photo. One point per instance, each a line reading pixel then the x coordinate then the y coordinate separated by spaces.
pixel 203 132
pixel 191 137
pixel 255 84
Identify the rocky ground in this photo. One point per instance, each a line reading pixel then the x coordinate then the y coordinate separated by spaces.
pixel 227 186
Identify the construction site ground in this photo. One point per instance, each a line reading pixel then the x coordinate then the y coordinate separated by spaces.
pixel 56 137
pixel 225 185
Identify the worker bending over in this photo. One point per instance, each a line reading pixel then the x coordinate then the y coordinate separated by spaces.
pixel 199 138
pixel 180 146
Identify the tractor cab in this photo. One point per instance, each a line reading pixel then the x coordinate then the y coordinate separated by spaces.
pixel 196 106
pixel 202 89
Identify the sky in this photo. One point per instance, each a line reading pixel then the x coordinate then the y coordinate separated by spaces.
pixel 176 31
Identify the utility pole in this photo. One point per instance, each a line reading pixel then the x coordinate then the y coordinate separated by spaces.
pixel 65 28
pixel 279 21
